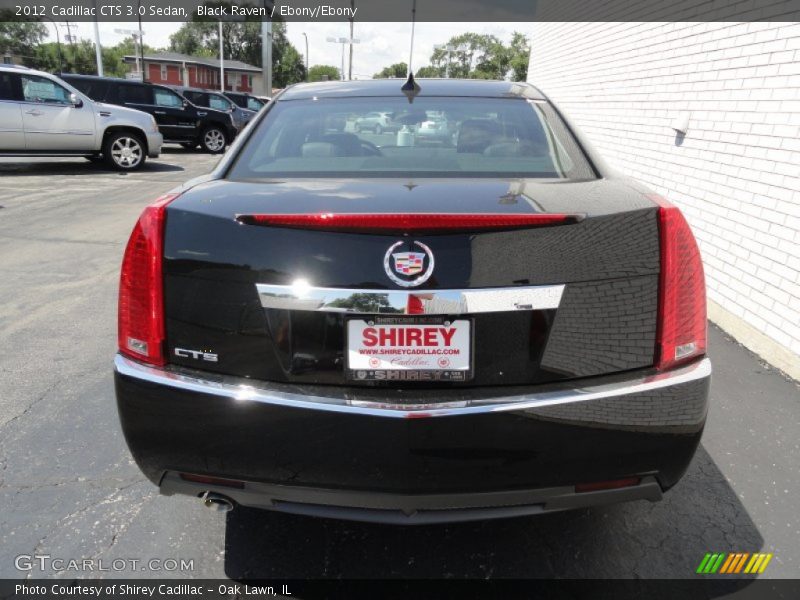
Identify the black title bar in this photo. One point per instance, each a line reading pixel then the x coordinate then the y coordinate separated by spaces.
pixel 402 10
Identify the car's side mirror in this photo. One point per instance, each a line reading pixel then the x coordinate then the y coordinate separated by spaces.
pixel 75 101
pixel 185 104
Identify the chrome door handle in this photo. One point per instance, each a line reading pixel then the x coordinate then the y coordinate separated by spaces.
pixel 34 112
pixel 160 112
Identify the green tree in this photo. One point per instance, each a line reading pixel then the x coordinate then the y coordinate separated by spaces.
pixel 113 56
pixel 190 39
pixel 20 38
pixel 240 41
pixel 72 58
pixel 396 70
pixel 477 56
pixel 318 73
pixel 429 71
pixel 370 303
pixel 287 63
pixel 81 58
pixel 520 56
pixel 480 56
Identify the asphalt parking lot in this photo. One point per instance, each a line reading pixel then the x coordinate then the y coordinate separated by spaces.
pixel 69 488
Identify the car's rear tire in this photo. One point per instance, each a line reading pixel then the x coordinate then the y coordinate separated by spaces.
pixel 213 140
pixel 124 151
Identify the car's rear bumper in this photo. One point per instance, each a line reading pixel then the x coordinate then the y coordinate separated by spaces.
pixel 154 143
pixel 407 457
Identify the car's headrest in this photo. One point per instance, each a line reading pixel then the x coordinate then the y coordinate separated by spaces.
pixel 318 149
pixel 475 135
pixel 349 144
pixel 512 148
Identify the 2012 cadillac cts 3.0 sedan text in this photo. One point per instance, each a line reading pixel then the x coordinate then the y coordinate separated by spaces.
pixel 356 325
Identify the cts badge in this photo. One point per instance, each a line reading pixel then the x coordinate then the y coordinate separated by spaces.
pixel 401 267
pixel 196 354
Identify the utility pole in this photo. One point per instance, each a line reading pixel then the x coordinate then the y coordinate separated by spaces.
pixel 343 41
pixel 266 46
pixel 58 42
pixel 70 39
pixel 352 20
pixel 141 37
pixel 449 48
pixel 306 36
pixel 221 61
pixel 136 39
pixel 97 49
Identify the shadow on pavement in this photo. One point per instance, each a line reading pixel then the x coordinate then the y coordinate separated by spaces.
pixel 638 540
pixel 79 166
pixel 177 149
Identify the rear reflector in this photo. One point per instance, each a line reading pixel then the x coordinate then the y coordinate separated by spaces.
pixel 417 222
pixel 612 484
pixel 681 333
pixel 232 483
pixel 141 294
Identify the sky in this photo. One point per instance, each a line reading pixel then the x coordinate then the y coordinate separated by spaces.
pixel 381 44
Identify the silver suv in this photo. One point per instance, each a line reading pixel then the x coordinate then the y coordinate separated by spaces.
pixel 42 115
pixel 377 122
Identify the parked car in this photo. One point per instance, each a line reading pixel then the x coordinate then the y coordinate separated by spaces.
pixel 435 130
pixel 520 331
pixel 217 101
pixel 42 115
pixel 179 120
pixel 248 101
pixel 377 122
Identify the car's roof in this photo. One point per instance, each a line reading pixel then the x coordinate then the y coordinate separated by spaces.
pixel 428 87
pixel 83 76
pixel 67 76
pixel 11 67
pixel 183 88
pixel 22 69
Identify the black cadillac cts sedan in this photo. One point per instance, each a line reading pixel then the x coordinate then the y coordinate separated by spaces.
pixel 408 328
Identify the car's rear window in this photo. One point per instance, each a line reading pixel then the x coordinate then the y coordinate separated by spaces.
pixel 431 137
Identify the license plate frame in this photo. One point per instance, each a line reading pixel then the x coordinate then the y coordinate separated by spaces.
pixel 463 371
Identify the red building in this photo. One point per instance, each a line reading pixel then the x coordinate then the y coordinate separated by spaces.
pixel 172 68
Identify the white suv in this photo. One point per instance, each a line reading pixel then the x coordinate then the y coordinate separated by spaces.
pixel 41 115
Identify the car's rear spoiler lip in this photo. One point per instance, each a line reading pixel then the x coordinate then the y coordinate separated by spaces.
pixel 405 223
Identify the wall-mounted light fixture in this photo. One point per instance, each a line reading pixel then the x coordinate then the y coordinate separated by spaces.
pixel 681 123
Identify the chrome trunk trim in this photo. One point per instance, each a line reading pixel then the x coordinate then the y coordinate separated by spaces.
pixel 346 400
pixel 301 296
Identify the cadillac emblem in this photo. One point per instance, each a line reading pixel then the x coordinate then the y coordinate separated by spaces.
pixel 402 267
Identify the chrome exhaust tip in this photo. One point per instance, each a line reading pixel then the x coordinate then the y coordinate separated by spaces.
pixel 217 502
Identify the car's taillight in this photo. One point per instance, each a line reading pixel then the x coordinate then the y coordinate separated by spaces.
pixel 141 288
pixel 681 334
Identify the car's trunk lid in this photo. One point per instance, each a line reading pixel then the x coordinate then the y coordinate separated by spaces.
pixel 604 269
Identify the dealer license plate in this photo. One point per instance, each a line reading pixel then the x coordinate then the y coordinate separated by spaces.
pixel 409 349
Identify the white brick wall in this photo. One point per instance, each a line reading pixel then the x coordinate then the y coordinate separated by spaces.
pixel 736 175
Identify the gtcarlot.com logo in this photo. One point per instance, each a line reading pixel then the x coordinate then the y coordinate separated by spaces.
pixel 734 563
pixel 46 562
